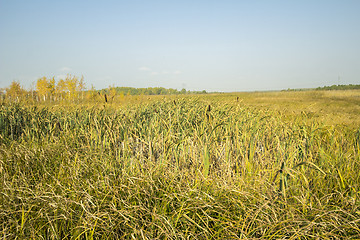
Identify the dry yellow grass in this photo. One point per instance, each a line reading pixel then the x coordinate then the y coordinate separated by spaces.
pixel 276 165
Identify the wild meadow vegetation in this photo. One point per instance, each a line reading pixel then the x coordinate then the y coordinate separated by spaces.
pixel 275 165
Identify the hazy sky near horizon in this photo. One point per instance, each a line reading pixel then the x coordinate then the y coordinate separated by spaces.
pixel 227 45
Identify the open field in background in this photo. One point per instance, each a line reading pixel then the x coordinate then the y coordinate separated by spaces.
pixel 331 107
pixel 266 165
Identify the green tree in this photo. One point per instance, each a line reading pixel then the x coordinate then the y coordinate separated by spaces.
pixel 183 91
pixel 51 88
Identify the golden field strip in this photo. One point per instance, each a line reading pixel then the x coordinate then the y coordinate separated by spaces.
pixel 270 165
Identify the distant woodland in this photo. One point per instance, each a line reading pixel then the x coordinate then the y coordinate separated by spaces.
pixel 332 87
pixel 339 87
pixel 73 88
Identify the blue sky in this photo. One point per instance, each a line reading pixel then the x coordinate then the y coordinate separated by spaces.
pixel 213 45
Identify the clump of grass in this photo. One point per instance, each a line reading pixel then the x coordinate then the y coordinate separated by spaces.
pixel 164 170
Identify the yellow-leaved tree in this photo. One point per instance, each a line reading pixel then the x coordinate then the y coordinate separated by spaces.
pixel 61 89
pixel 92 93
pixel 45 88
pixel 15 91
pixel 72 86
pixel 112 92
pixel 81 87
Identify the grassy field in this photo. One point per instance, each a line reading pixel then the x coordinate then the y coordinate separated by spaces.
pixel 267 165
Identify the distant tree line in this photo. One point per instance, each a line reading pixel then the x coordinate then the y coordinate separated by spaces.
pixel 333 87
pixel 149 91
pixel 339 87
pixel 72 88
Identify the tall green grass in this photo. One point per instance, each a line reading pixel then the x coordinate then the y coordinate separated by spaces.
pixel 176 170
